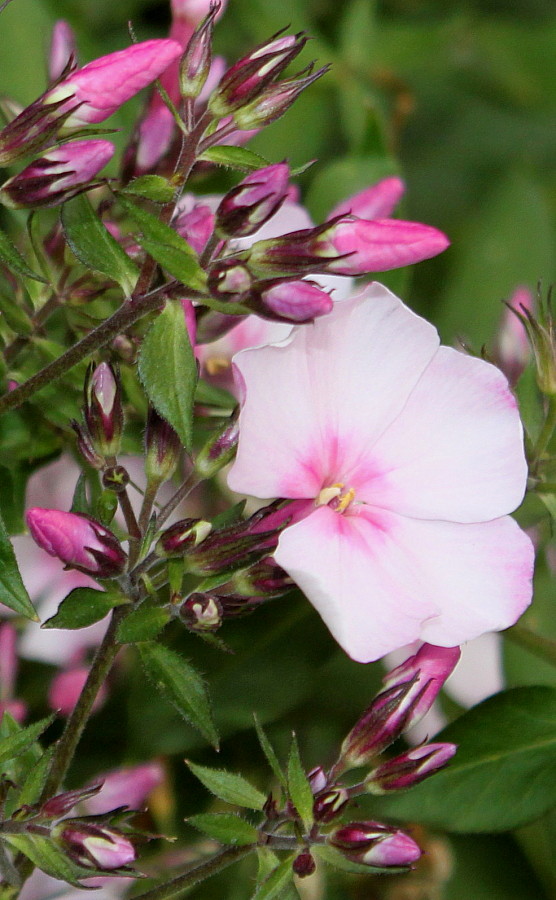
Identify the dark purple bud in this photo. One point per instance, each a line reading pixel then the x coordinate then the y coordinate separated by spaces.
pixel 330 804
pixel 163 448
pixel 219 450
pixel 94 846
pixel 409 768
pixel 78 540
pixel 181 536
pixel 115 478
pixel 61 804
pixel 102 409
pixel 196 61
pixel 264 579
pixel 304 864
pixel 201 612
pixel 236 605
pixel 86 448
pixel 249 76
pixel 228 279
pixel 244 209
pixel 274 101
pixel 375 844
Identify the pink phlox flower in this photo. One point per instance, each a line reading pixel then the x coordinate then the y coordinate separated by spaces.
pixel 409 457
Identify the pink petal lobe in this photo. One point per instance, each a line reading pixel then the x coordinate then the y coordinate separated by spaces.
pixel 456 449
pixel 375 202
pixel 315 404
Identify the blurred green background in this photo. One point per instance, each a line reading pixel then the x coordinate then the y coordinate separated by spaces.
pixel 460 99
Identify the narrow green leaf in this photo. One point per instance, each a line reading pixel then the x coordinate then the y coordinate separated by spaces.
pixel 168 370
pixel 79 502
pixel 44 853
pixel 503 775
pixel 225 828
pixel 268 751
pixel 299 788
pixel 12 258
pixel 336 859
pixel 178 264
pixel 82 607
pixel 142 624
pixel 151 187
pixel 181 685
pixel 228 786
pixel 276 883
pixel 31 788
pixel 13 592
pixel 93 244
pixel 235 158
pixel 18 743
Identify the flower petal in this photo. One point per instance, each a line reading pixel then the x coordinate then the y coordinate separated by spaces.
pixel 316 403
pixel 456 450
pixel 380 580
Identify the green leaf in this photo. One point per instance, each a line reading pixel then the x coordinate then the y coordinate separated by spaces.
pixel 82 607
pixel 181 685
pixel 18 743
pixel 277 882
pixel 31 788
pixel 166 246
pixel 168 370
pixel 209 395
pixel 12 258
pixel 44 853
pixel 142 624
pixel 93 244
pixel 299 788
pixel 151 187
pixel 225 828
pixel 334 858
pixel 503 775
pixel 13 592
pixel 268 751
pixel 228 786
pixel 79 502
pixel 235 158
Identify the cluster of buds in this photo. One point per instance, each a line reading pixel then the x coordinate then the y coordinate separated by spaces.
pixel 77 540
pixel 540 328
pixel 100 436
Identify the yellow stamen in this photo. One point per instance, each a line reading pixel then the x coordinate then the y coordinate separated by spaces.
pixel 329 493
pixel 217 365
pixel 344 500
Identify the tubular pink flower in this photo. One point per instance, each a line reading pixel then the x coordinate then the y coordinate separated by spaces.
pixel 383 244
pixel 78 540
pixel 407 458
pixel 104 84
pixel 375 202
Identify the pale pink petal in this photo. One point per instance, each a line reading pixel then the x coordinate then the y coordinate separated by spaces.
pixel 456 449
pixel 375 202
pixel 316 403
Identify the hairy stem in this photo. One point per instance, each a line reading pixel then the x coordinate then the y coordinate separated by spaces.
pixel 196 873
pixel 183 491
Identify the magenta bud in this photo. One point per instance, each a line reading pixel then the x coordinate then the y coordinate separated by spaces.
pixel 102 409
pixel 62 804
pixel 181 536
pixel 163 448
pixel 375 202
pixel 62 51
pixel 410 691
pixel 196 226
pixel 293 301
pixel 274 101
pixel 374 844
pixel 329 804
pixel 228 278
pixel 219 450
pixel 249 76
pixel 512 351
pixel 409 768
pixel 78 540
pixel 196 61
pixel 304 864
pixel 201 612
pixel 244 209
pixel 57 176
pixel 317 779
pixel 94 846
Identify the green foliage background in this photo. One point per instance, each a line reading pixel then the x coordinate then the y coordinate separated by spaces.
pixel 459 98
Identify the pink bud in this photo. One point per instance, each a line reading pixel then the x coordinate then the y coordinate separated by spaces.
pixel 96 846
pixel 65 690
pixel 375 202
pixel 196 226
pixel 104 84
pixel 513 350
pixel 253 202
pixel 78 540
pixel 58 175
pixel 296 301
pixel 329 804
pixel 317 779
pixel 374 844
pixel 62 49
pixel 431 665
pixel 382 244
pixel 410 768
pixel 274 101
pixel 194 11
pixel 16 708
pixel 102 409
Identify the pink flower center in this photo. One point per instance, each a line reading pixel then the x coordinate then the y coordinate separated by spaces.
pixel 336 497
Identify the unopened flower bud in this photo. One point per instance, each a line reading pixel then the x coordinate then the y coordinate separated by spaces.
pixel 163 448
pixel 244 209
pixel 329 804
pixel 201 612
pixel 375 202
pixel 512 350
pixel 78 540
pixel 264 579
pixel 292 301
pixel 375 844
pixel 410 691
pixel 86 448
pixel 94 846
pixel 102 409
pixel 219 450
pixel 249 76
pixel 57 176
pixel 409 768
pixel 274 101
pixel 62 49
pixel 228 278
pixel 317 779
pixel 304 864
pixel 115 478
pixel 61 804
pixel 181 536
pixel 196 226
pixel 195 62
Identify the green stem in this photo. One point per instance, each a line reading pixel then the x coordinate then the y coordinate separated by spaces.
pixel 8 871
pixel 547 431
pixel 183 491
pixel 542 647
pixel 197 872
pixel 126 315
pixel 148 503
